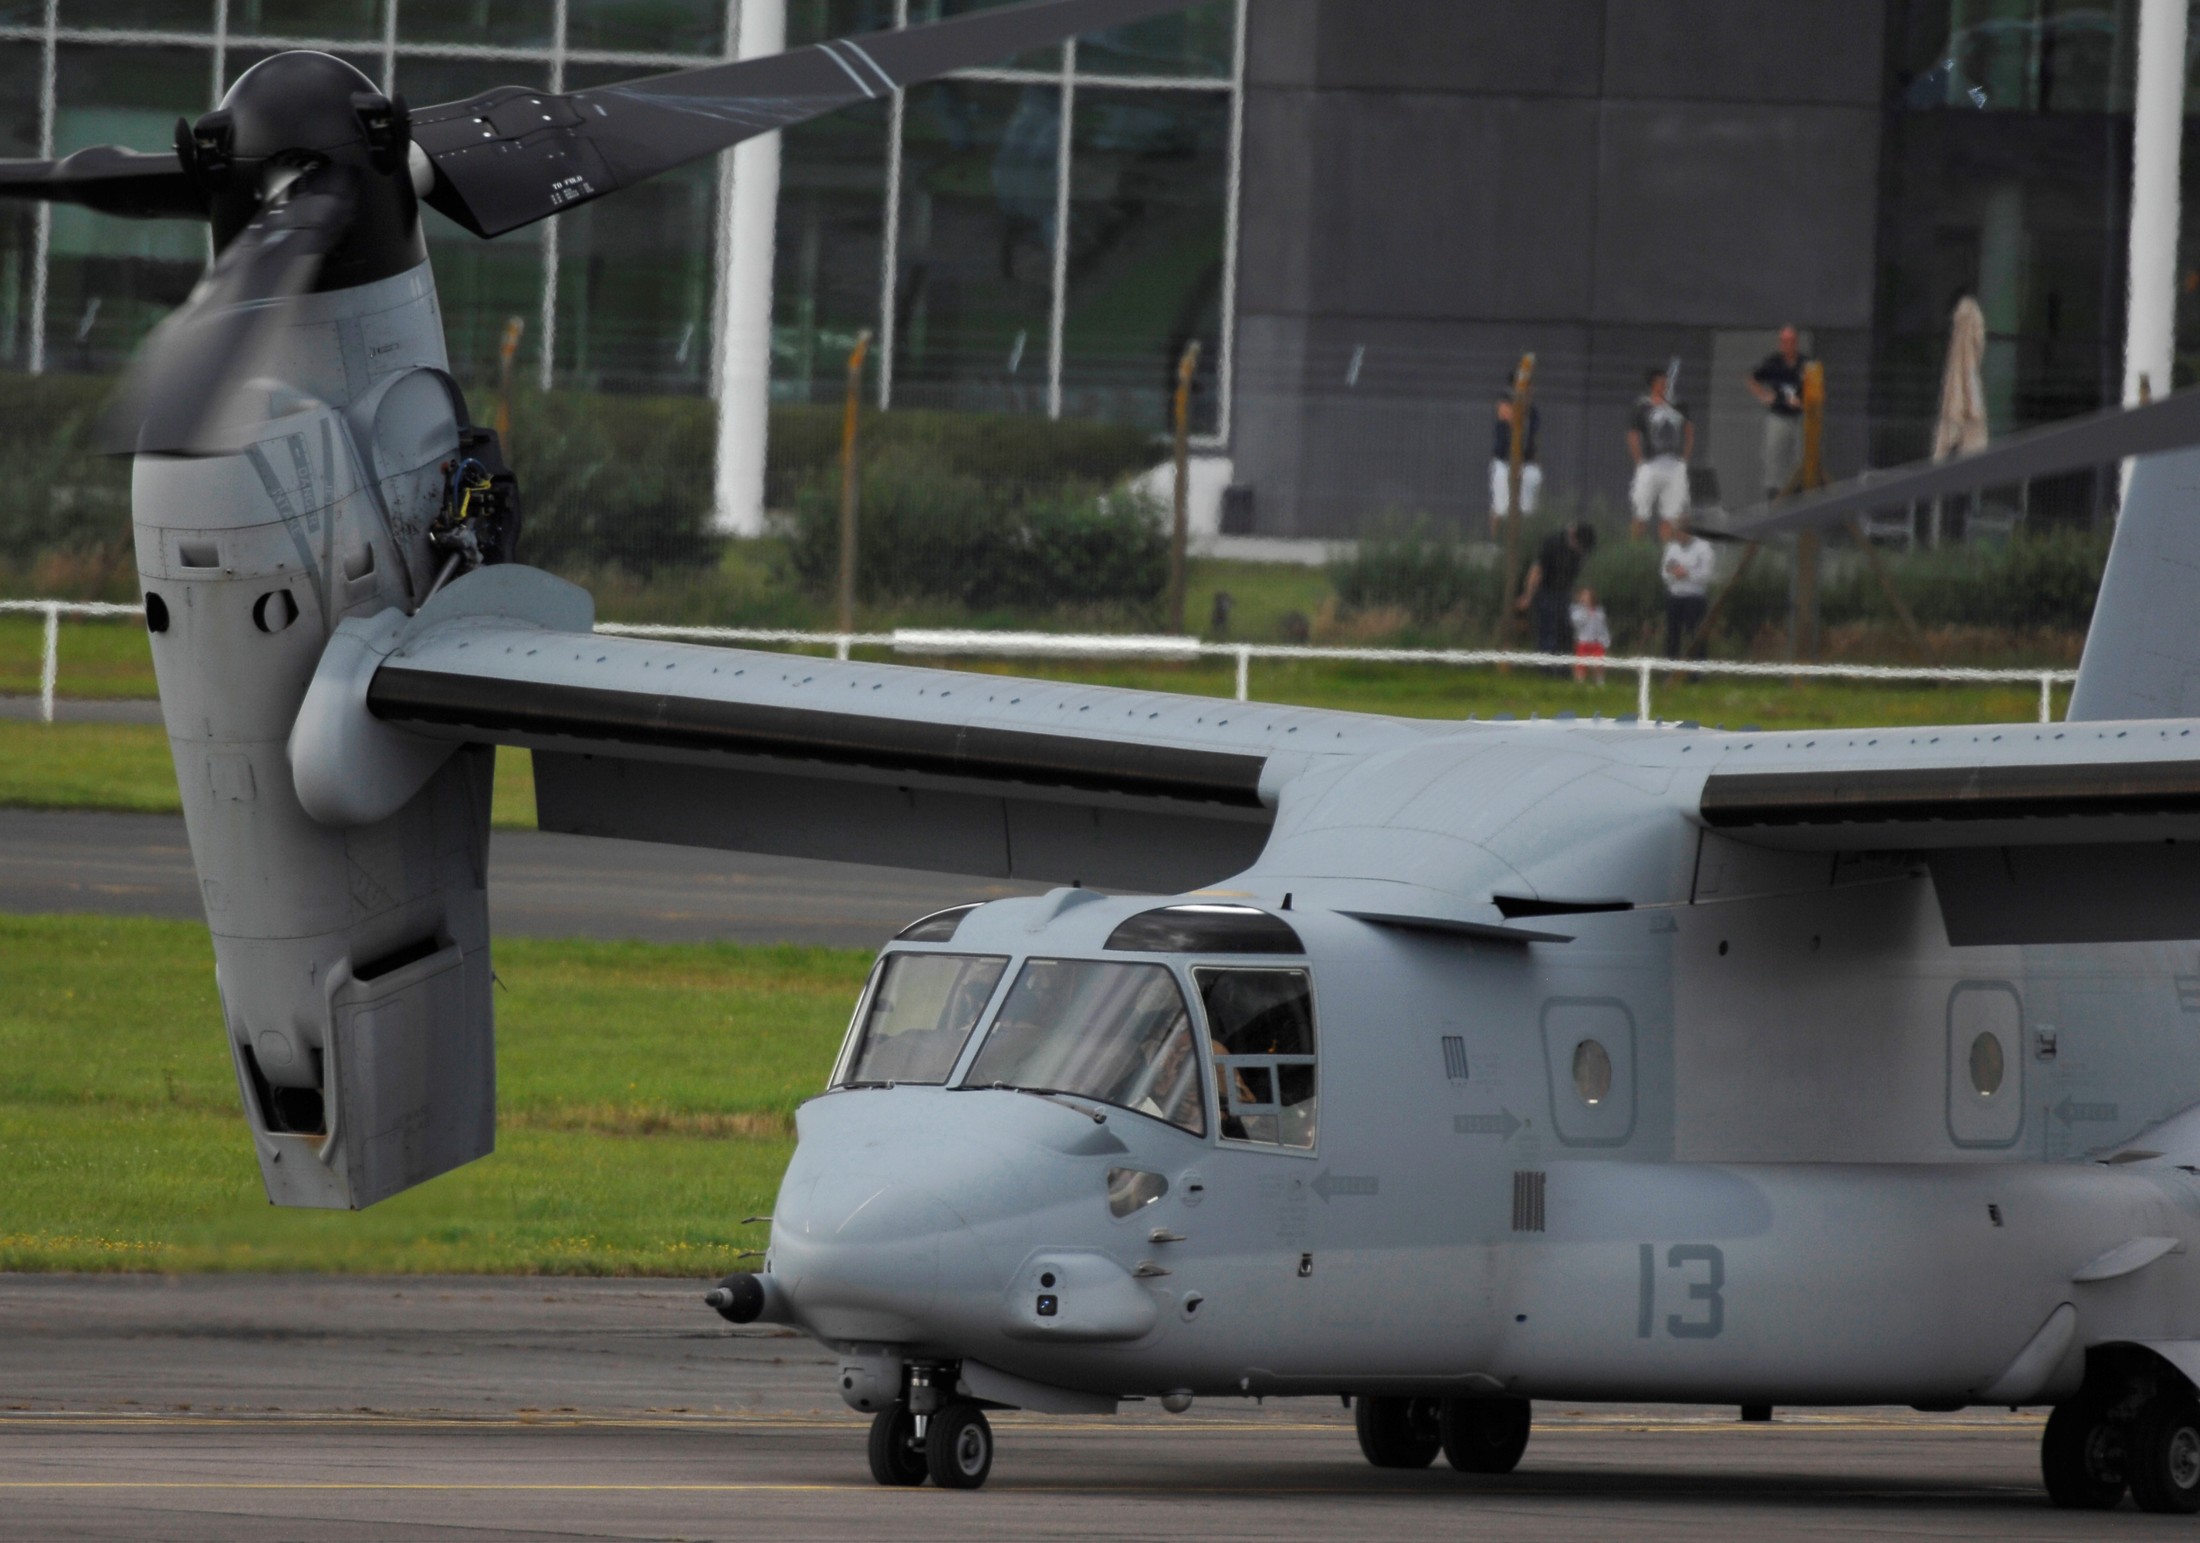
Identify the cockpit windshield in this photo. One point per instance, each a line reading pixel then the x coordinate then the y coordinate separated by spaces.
pixel 922 1010
pixel 1118 1033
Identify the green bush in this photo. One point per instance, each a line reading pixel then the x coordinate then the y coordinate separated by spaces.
pixel 929 530
pixel 2043 581
pixel 57 493
pixel 1406 565
pixel 1001 451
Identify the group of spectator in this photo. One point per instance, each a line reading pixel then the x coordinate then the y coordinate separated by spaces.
pixel 1661 441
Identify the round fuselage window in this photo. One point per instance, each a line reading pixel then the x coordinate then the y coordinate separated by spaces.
pixel 1987 1065
pixel 1592 1072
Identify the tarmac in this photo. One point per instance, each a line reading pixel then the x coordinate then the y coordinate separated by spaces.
pixel 256 1408
pixel 540 884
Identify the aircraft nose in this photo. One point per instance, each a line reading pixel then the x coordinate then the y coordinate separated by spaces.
pixel 876 1231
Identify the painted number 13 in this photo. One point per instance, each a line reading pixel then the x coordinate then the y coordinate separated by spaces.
pixel 1701 1268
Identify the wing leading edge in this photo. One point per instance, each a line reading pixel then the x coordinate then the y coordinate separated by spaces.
pixel 949 771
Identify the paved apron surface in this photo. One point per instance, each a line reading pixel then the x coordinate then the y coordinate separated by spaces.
pixel 254 1408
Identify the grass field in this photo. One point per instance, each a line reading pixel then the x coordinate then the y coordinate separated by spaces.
pixel 127 766
pixel 646 1096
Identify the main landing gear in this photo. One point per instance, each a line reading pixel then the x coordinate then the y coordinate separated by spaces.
pixel 1476 1435
pixel 952 1447
pixel 2143 1436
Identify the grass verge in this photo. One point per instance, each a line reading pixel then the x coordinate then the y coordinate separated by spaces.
pixel 127 766
pixel 646 1104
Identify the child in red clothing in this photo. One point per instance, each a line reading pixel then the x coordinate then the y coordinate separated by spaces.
pixel 1592 635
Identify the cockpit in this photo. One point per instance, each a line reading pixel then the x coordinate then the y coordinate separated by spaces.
pixel 1219 985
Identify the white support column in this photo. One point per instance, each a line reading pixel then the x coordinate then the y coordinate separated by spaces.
pixel 1064 165
pixel 546 366
pixel 220 62
pixel 745 340
pixel 42 231
pixel 2158 126
pixel 1234 196
pixel 389 44
pixel 889 264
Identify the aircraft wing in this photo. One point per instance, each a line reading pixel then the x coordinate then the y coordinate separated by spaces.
pixel 950 771
pixel 2064 834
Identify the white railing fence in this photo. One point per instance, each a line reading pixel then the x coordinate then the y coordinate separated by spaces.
pixel 1050 645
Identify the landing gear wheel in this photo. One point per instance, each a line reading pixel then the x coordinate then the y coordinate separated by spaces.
pixel 958 1447
pixel 2162 1454
pixel 1485 1435
pixel 896 1458
pixel 2082 1457
pixel 1398 1432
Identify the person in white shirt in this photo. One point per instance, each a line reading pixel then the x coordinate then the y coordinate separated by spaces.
pixel 1592 635
pixel 1686 568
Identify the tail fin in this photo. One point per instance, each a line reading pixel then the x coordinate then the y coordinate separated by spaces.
pixel 2142 656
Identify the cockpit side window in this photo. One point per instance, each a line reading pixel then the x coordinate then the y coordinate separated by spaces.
pixel 1262 1025
pixel 922 1010
pixel 1118 1033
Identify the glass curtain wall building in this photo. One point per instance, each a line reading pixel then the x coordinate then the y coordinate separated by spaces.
pixel 1043 237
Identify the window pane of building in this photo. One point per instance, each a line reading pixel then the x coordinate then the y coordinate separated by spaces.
pixel 133 15
pixel 499 23
pixel 1147 191
pixel 482 284
pixel 635 277
pixel 816 21
pixel 831 234
pixel 20 65
pixel 110 279
pixel 1200 43
pixel 335 20
pixel 647 26
pixel 974 296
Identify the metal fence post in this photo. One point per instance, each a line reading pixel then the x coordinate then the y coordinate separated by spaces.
pixel 1642 691
pixel 841 646
pixel 2047 699
pixel 1245 675
pixel 51 666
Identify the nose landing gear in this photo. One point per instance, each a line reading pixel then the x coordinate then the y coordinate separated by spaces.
pixel 950 1442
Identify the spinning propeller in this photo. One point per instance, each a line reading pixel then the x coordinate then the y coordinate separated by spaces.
pixel 312 177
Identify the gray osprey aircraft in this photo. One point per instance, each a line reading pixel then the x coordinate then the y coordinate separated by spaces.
pixel 1440 1066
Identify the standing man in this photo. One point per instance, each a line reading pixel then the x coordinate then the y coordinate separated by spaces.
pixel 1662 442
pixel 1501 450
pixel 1686 569
pixel 1548 594
pixel 1778 383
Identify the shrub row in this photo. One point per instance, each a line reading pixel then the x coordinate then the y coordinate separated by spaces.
pixel 2045 581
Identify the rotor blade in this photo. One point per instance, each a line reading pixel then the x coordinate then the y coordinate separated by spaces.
pixel 186 377
pixel 110 180
pixel 2073 445
pixel 511 156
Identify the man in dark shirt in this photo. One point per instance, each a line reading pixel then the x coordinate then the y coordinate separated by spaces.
pixel 1778 384
pixel 1501 449
pixel 1549 591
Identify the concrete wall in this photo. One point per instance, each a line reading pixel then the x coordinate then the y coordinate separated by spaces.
pixel 1433 187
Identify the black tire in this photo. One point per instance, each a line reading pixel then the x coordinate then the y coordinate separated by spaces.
pixel 1398 1432
pixel 2082 1457
pixel 2162 1454
pixel 1485 1435
pixel 958 1447
pixel 896 1458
